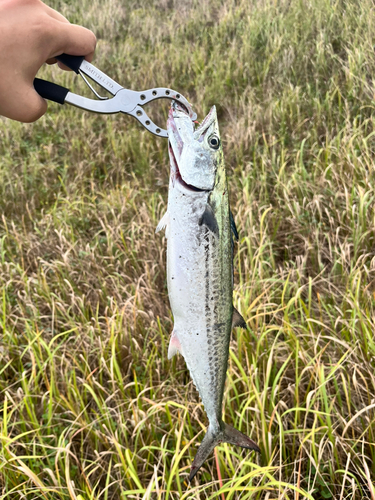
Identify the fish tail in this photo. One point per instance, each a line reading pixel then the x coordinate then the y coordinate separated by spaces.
pixel 227 434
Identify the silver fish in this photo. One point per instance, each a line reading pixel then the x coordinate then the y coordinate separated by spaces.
pixel 198 225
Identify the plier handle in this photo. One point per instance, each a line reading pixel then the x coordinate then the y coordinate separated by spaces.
pixel 125 101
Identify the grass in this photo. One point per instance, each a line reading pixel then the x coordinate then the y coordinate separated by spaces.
pixel 90 406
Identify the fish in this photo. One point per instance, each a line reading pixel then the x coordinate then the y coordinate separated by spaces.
pixel 199 229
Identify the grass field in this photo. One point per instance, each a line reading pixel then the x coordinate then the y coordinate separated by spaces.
pixel 90 406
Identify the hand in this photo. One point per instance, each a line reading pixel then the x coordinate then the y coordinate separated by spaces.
pixel 31 33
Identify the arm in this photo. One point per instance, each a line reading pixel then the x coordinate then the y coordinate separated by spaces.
pixel 31 33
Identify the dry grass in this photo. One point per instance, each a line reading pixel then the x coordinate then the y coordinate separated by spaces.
pixel 91 407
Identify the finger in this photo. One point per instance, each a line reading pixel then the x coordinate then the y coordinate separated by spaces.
pixel 25 105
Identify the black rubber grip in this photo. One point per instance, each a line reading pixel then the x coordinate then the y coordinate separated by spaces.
pixel 73 62
pixel 50 90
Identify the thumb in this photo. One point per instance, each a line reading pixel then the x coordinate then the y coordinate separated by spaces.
pixel 74 40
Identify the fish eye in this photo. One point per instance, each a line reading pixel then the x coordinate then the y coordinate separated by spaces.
pixel 214 142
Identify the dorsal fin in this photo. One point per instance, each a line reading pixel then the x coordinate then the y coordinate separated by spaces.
pixel 237 319
pixel 233 225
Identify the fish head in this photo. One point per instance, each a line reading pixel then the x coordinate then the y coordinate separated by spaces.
pixel 194 153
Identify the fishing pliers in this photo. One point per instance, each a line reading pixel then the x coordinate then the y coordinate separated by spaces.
pixel 125 101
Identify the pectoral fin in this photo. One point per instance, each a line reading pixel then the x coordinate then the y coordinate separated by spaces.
pixel 208 219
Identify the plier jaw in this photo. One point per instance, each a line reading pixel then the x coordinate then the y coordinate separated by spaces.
pixel 129 102
pixel 125 101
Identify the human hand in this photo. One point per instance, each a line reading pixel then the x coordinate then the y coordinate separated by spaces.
pixel 31 33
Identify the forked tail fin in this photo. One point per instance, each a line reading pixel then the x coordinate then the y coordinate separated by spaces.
pixel 227 434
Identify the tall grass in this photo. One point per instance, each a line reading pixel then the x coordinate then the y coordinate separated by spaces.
pixel 90 406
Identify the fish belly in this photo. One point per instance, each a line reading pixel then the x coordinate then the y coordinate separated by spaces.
pixel 200 294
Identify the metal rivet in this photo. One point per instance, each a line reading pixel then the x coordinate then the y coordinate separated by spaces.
pixel 139 113
pixel 143 97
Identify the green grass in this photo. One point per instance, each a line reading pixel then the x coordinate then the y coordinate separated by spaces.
pixel 90 406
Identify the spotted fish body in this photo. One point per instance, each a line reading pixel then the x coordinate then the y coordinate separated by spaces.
pixel 199 267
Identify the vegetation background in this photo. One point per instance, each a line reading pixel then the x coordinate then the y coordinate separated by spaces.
pixel 90 406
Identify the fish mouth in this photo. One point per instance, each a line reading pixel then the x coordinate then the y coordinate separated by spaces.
pixel 176 145
pixel 176 175
pixel 202 129
pixel 172 127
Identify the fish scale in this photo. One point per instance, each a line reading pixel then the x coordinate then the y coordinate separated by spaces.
pixel 198 226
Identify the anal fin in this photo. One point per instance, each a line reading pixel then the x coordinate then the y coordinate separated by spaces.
pixel 174 345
